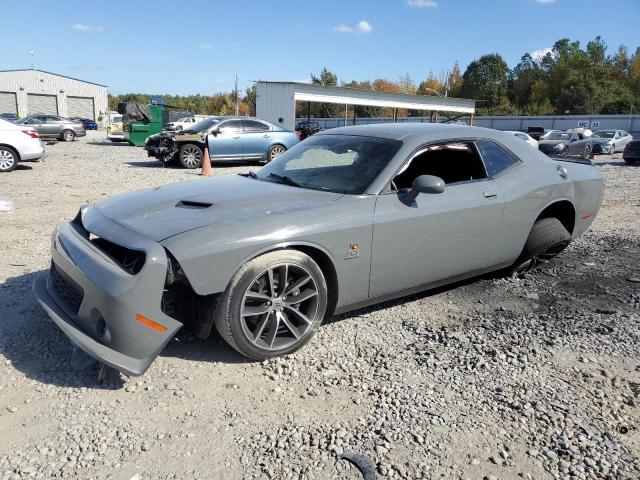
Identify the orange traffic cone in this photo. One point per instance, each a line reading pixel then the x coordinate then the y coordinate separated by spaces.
pixel 206 163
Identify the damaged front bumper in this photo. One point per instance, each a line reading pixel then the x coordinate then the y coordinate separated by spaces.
pixel 109 312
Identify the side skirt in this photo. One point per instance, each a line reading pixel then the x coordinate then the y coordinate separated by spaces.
pixel 420 288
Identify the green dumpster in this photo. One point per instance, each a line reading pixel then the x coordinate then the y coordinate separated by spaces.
pixel 144 120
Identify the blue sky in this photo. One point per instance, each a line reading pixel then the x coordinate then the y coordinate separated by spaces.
pixel 197 47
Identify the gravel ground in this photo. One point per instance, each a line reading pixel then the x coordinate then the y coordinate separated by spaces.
pixel 493 378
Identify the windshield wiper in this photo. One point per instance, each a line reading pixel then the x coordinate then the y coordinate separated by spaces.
pixel 249 174
pixel 285 179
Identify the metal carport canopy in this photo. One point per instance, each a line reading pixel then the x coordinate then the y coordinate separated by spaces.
pixel 275 101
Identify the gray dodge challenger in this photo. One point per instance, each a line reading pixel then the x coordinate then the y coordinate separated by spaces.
pixel 350 217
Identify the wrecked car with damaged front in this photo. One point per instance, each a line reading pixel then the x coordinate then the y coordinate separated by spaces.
pixel 350 217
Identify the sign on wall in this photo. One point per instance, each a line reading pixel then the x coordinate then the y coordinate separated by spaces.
pixel 592 125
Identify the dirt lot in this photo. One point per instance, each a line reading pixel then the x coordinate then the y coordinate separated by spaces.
pixel 494 378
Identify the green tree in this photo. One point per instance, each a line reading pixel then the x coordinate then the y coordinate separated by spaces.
pixel 486 79
pixel 326 110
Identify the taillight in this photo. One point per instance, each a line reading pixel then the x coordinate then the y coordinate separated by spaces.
pixel 31 133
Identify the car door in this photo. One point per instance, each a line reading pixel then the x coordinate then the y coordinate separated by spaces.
pixel 50 126
pixel 36 122
pixel 226 142
pixel 256 139
pixel 626 138
pixel 439 236
pixel 575 145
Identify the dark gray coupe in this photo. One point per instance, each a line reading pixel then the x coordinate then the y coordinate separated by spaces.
pixel 349 217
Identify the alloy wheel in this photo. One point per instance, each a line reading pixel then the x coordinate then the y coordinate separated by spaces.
pixel 276 151
pixel 68 136
pixel 279 307
pixel 7 160
pixel 191 156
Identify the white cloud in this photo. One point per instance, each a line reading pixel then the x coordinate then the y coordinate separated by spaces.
pixel 422 3
pixel 545 2
pixel 361 27
pixel 342 28
pixel 538 55
pixel 364 27
pixel 206 46
pixel 83 27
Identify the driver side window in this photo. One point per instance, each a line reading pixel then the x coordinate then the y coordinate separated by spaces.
pixel 453 162
pixel 232 126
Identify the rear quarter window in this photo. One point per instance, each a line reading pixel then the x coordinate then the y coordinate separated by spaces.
pixel 496 159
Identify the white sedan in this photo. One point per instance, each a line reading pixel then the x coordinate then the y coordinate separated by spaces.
pixel 525 137
pixel 18 143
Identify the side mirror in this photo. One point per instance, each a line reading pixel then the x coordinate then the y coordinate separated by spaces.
pixel 214 131
pixel 424 184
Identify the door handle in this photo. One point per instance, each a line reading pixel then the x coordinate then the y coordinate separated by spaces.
pixel 490 194
pixel 266 135
pixel 237 136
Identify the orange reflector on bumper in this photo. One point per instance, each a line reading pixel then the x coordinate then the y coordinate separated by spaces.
pixel 150 323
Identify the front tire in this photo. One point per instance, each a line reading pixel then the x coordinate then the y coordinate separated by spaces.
pixel 68 135
pixel 565 152
pixel 586 153
pixel 190 156
pixel 273 305
pixel 8 159
pixel 547 238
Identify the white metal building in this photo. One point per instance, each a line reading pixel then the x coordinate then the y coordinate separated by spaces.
pixel 29 92
pixel 276 101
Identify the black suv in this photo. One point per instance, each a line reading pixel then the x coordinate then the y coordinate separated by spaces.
pixel 307 129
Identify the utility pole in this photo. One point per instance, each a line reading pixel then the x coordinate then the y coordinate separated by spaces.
pixel 33 65
pixel 235 94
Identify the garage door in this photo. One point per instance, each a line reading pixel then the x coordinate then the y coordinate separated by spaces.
pixel 80 107
pixel 47 104
pixel 8 103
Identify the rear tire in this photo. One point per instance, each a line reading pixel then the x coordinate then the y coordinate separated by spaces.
pixel 547 238
pixel 8 159
pixel 274 152
pixel 68 135
pixel 190 156
pixel 270 285
pixel 586 153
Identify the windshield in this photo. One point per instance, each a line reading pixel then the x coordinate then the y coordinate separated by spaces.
pixel 116 119
pixel 556 136
pixel 203 125
pixel 604 134
pixel 335 163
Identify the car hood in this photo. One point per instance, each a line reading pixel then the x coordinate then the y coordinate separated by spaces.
pixel 166 211
pixel 600 140
pixel 551 142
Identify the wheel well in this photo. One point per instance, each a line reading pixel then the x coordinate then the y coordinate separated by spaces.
pixel 563 211
pixel 328 270
pixel 12 149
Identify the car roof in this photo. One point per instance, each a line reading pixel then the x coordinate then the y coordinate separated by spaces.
pixel 405 131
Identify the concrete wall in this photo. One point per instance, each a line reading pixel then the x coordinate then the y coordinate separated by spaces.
pixel 23 82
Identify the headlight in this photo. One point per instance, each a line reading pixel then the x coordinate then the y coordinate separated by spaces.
pixel 560 146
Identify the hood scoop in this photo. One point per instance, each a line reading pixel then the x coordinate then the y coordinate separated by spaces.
pixel 193 204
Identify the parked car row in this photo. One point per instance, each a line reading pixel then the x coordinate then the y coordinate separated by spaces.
pixel 227 138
